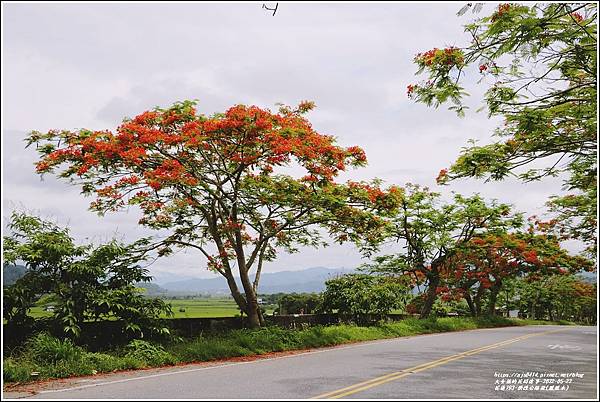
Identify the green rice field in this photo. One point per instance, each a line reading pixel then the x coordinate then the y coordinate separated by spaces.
pixel 196 308
pixel 182 308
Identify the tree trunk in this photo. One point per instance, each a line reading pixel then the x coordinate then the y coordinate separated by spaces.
pixel 494 290
pixel 477 300
pixel 254 319
pixel 431 295
pixel 492 301
pixel 235 293
pixel 469 300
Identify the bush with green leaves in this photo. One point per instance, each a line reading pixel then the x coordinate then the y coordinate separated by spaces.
pixel 45 356
pixel 299 303
pixel 44 348
pixel 557 297
pixel 152 354
pixel 16 370
pixel 440 308
pixel 87 282
pixel 362 297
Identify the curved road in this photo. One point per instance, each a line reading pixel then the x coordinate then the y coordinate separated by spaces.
pixel 561 361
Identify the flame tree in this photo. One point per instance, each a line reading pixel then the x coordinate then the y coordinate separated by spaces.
pixel 430 233
pixel 538 64
pixel 211 182
pixel 480 267
pixel 561 297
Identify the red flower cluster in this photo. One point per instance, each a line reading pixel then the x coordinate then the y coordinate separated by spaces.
pixel 450 56
pixel 577 17
pixel 427 57
pixel 165 151
pixel 374 194
pixel 442 289
pixel 442 176
pixel 130 180
pixel 531 257
pixel 502 9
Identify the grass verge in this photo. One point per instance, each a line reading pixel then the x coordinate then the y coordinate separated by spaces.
pixel 44 357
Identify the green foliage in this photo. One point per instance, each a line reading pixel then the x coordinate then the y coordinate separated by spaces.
pixel 429 232
pixel 47 349
pixel 539 65
pixel 211 181
pixel 361 296
pixel 564 297
pixel 303 303
pixel 576 217
pixel 85 282
pixel 151 354
pixel 441 308
pixel 51 357
pixel 247 342
pixel 17 370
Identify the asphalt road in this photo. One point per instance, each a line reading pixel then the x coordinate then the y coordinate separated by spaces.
pixel 470 364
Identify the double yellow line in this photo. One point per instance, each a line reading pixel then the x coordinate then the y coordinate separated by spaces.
pixel 362 386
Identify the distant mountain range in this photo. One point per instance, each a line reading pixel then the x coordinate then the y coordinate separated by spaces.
pixel 590 277
pixel 307 280
pixel 10 273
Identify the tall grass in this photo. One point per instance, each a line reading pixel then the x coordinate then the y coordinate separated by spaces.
pixel 44 356
pixel 53 358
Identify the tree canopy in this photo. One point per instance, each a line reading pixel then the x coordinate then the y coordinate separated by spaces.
pixel 539 65
pixel 480 267
pixel 212 182
pixel 429 232
pixel 364 297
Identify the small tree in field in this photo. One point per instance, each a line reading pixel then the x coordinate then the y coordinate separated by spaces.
pixel 87 283
pixel 362 296
pixel 210 181
pixel 303 303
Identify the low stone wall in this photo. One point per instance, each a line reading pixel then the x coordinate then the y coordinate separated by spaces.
pixel 104 333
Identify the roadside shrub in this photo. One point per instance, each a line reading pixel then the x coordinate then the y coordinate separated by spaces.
pixel 269 339
pixel 66 368
pixel 151 354
pixel 364 298
pixel 102 362
pixel 46 349
pixel 299 303
pixel 55 358
pixel 17 371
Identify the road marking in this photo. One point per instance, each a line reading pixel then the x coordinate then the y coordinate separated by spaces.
pixel 217 366
pixel 362 386
pixel 557 346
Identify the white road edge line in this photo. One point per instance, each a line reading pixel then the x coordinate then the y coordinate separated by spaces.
pixel 259 360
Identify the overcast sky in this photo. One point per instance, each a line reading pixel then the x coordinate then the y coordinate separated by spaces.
pixel 69 66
